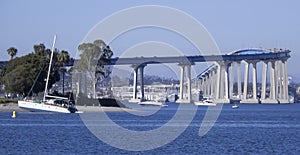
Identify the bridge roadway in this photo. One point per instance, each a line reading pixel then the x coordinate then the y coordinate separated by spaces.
pixel 192 59
pixel 199 58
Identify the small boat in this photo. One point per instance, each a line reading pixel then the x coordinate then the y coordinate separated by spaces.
pixel 235 106
pixel 205 102
pixel 55 104
pixel 153 103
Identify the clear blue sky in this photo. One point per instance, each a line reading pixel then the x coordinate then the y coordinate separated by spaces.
pixel 234 24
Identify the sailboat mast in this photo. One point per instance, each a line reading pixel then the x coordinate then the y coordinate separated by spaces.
pixel 49 69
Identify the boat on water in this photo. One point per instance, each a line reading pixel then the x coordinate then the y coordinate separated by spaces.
pixel 235 102
pixel 153 103
pixel 235 106
pixel 49 103
pixel 205 102
pixel 57 104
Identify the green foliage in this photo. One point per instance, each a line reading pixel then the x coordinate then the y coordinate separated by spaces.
pixel 8 100
pixel 1 75
pixel 41 50
pixel 19 74
pixel 93 58
pixel 93 62
pixel 12 52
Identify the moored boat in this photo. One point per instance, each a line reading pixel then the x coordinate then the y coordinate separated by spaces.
pixel 56 104
pixel 52 105
pixel 235 106
pixel 153 103
pixel 205 102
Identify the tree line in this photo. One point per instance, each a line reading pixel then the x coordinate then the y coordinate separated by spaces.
pixel 26 75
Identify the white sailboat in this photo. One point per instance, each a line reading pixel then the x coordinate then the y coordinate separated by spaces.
pixel 55 104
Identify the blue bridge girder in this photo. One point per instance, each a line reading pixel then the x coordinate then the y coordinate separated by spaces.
pixel 200 58
pixel 250 54
pixel 193 59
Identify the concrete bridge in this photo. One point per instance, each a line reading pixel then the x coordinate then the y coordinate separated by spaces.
pixel 217 81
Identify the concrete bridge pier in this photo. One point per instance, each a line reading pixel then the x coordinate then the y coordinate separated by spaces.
pixel 253 98
pixel 272 93
pixel 222 83
pixel 182 99
pixel 283 82
pixel 137 68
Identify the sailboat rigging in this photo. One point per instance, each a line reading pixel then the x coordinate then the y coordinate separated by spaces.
pixel 55 104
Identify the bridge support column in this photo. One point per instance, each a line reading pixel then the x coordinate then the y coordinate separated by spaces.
pixel 189 87
pixel 201 85
pixel 253 99
pixel 273 82
pixel 141 68
pixel 218 82
pixel 135 80
pixel 285 80
pixel 181 83
pixel 245 92
pixel 231 80
pixel 277 76
pixel 209 85
pixel 264 81
pixel 213 83
pixel 279 80
pixel 254 81
pixel 181 92
pixel 205 86
pixel 239 80
pixel 272 98
pixel 222 83
pixel 226 76
pixel 135 83
pixel 284 98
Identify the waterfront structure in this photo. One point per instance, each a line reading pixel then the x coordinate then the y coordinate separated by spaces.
pixel 154 92
pixel 223 75
pixel 217 81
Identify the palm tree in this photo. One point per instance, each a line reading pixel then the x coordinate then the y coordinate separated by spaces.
pixel 63 58
pixel 12 52
pixel 40 49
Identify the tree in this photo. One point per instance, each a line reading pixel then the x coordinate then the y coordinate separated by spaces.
pixel 63 58
pixel 2 72
pixel 21 73
pixel 12 52
pixel 27 74
pixel 40 50
pixel 94 60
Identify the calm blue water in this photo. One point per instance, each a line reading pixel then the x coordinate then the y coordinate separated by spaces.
pixel 251 129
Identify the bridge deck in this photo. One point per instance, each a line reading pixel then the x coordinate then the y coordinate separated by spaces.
pixel 193 59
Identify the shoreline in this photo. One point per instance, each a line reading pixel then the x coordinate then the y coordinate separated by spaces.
pixel 10 107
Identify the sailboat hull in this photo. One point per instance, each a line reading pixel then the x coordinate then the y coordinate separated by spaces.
pixel 41 107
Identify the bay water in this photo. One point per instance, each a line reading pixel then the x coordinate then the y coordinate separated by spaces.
pixel 250 129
